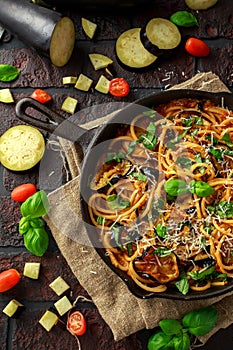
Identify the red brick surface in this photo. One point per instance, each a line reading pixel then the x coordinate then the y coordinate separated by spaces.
pixel 216 28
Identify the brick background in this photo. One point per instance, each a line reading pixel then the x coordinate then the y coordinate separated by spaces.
pixel 216 28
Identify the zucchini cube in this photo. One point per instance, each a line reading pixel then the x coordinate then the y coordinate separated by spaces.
pixel 48 320
pixel 63 305
pixel 102 85
pixel 69 105
pixel 12 308
pixel 83 83
pixel 32 270
pixel 59 286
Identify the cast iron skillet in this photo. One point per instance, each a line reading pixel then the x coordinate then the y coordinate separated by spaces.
pixel 106 132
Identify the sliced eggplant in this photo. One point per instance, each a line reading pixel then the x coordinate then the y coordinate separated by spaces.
pixel 200 4
pixel 100 61
pixel 160 35
pixel 131 52
pixel 44 29
pixel 107 172
pixel 88 27
pixel 160 268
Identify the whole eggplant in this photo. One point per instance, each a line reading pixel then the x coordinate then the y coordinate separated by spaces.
pixel 44 29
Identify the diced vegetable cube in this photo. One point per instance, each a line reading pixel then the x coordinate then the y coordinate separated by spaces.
pixel 69 105
pixel 69 80
pixel 83 83
pixel 59 286
pixel 88 27
pixel 63 305
pixel 100 61
pixel 32 270
pixel 102 85
pixel 12 307
pixel 48 320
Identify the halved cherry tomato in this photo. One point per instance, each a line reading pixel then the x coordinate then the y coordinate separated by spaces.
pixel 41 96
pixel 197 47
pixel 23 192
pixel 119 87
pixel 8 279
pixel 77 323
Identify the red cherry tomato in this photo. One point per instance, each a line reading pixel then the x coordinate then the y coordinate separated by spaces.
pixel 22 192
pixel 77 323
pixel 41 96
pixel 197 47
pixel 8 279
pixel 119 87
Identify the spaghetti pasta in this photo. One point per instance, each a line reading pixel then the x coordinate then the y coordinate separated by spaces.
pixel 162 197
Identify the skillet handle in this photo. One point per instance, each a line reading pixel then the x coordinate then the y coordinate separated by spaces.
pixel 52 122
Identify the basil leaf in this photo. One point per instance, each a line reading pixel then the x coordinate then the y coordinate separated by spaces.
pixel 182 285
pixel 213 140
pixel 216 152
pixel 170 327
pixel 115 156
pixel 8 72
pixel 117 202
pixel 161 230
pixel 181 342
pixel 175 187
pixel 149 139
pixel 200 322
pixel 161 252
pixel 150 113
pixel 132 145
pixel 184 19
pixel 36 205
pixel 223 209
pixel 158 341
pixel 141 177
pixel 100 220
pixel 36 241
pixel 24 225
pixel 201 274
pixel 184 161
pixel 201 188
pixel 227 139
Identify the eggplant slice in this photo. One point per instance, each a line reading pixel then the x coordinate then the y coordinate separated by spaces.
pixel 131 52
pixel 160 36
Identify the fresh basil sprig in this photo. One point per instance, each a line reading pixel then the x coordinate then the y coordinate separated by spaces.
pixel 184 19
pixel 176 334
pixel 32 226
pixel 176 187
pixel 8 72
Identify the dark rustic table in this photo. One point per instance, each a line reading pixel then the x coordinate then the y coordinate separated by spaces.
pixel 216 28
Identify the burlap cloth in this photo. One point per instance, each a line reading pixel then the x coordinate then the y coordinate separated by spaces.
pixel 123 312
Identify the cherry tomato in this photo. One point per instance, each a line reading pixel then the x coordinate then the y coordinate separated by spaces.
pixel 119 87
pixel 77 323
pixel 22 192
pixel 41 96
pixel 8 279
pixel 197 47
